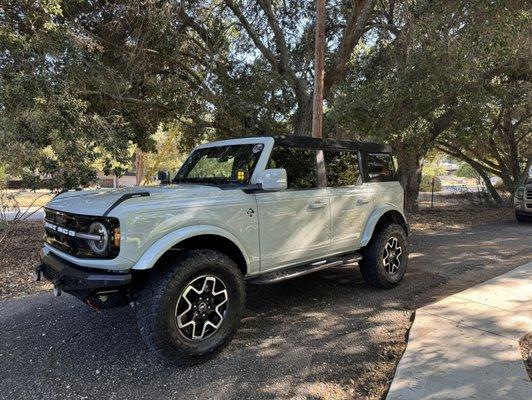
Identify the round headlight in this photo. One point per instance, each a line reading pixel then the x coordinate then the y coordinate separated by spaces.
pixel 99 246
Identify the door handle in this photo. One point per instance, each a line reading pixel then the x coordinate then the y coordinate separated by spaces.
pixel 362 201
pixel 317 205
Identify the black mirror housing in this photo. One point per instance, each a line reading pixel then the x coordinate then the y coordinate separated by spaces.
pixel 163 177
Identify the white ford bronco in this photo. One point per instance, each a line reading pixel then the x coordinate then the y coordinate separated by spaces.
pixel 258 210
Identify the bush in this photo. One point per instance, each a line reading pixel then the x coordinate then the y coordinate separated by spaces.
pixel 426 184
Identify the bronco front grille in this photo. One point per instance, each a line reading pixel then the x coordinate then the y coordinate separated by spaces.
pixel 528 193
pixel 79 223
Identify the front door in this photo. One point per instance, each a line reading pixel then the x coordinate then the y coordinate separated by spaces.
pixel 294 224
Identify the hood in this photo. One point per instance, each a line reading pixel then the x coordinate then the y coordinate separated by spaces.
pixel 97 202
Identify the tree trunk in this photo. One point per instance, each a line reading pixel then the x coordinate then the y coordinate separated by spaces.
pixel 487 181
pixel 303 117
pixel 410 165
pixel 319 64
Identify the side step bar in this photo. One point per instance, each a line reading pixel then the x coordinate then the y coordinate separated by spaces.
pixel 294 272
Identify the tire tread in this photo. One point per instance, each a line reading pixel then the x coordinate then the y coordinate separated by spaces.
pixel 371 254
pixel 163 282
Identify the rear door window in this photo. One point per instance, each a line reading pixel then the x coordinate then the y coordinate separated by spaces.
pixel 342 168
pixel 300 165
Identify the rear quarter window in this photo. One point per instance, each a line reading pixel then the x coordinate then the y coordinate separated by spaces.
pixel 378 167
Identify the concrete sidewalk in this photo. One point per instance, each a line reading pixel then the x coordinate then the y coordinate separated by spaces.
pixel 466 346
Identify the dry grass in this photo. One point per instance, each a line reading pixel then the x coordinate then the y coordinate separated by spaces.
pixel 18 258
pixel 29 198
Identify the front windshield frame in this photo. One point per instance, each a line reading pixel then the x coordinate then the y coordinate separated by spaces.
pixel 255 151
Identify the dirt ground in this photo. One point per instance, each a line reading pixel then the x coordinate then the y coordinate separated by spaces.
pixel 439 219
pixel 18 258
pixel 323 336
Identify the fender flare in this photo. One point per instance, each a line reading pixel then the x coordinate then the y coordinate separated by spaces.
pixel 162 245
pixel 374 219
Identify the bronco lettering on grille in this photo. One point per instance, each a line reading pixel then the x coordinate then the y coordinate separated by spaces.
pixel 59 229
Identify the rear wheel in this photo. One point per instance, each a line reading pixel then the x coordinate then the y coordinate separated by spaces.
pixel 192 309
pixel 385 259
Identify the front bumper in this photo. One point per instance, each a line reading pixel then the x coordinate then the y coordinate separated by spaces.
pixel 85 283
pixel 523 206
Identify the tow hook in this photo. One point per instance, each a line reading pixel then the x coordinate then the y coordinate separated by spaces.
pixel 92 305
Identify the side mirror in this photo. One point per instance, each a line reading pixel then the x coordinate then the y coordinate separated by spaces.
pixel 273 180
pixel 162 177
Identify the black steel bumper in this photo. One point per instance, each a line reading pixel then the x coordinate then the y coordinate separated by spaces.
pixel 85 283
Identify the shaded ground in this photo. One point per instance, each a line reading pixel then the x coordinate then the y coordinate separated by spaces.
pixel 526 351
pixel 324 336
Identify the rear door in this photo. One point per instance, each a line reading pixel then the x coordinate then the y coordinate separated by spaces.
pixel 294 224
pixel 350 200
pixel 381 180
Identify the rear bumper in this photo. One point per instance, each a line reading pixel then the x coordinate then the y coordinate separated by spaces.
pixel 86 284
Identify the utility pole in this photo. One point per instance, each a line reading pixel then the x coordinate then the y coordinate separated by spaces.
pixel 139 167
pixel 319 65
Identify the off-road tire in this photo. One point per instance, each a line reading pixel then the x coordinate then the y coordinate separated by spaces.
pixel 372 265
pixel 156 304
pixel 522 218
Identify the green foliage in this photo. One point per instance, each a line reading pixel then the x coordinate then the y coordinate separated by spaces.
pixel 83 83
pixel 80 82
pixel 432 170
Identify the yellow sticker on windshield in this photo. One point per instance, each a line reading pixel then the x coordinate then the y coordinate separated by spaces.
pixel 240 175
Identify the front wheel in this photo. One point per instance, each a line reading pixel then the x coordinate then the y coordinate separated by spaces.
pixel 520 217
pixel 385 259
pixel 191 309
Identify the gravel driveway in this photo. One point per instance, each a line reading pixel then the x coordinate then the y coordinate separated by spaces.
pixel 326 335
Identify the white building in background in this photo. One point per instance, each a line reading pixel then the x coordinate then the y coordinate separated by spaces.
pixel 111 181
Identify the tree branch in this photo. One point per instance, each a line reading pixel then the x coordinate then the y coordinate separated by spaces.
pixel 266 52
pixel 297 84
pixel 458 153
pixel 353 32
pixel 124 99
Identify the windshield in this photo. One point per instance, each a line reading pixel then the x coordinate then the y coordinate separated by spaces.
pixel 220 165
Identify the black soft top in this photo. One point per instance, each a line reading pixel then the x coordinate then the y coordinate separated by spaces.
pixel 331 144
